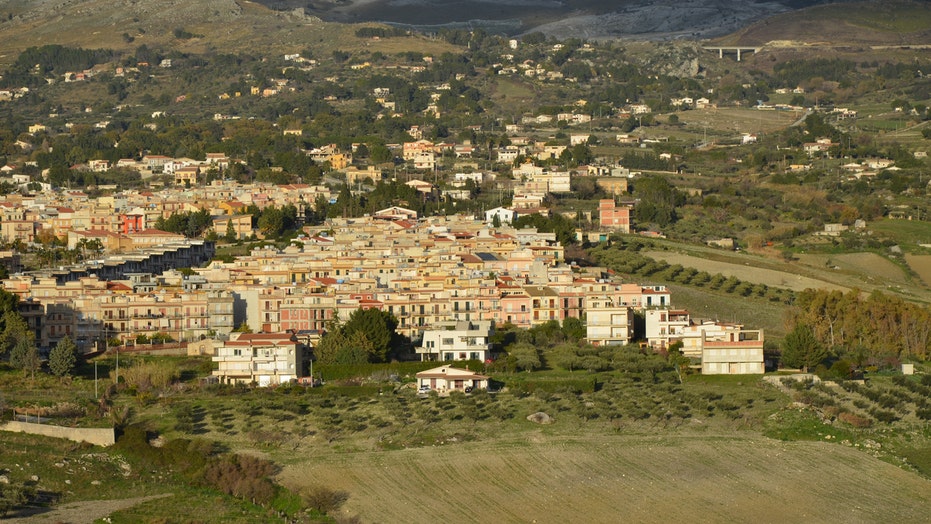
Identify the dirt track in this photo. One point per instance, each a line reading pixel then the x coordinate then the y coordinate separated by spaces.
pixel 621 479
pixel 86 511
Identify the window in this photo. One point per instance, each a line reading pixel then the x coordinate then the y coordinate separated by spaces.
pixel 447 342
pixel 237 352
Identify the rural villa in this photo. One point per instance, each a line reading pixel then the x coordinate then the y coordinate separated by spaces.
pixel 446 378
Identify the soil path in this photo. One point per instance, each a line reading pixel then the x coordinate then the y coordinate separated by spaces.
pixel 83 512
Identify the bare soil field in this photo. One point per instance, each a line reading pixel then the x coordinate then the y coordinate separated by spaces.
pixel 746 272
pixel 621 478
pixel 737 120
pixel 920 264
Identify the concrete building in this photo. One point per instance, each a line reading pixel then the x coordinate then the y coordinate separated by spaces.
pixel 460 340
pixel 607 321
pixel 264 359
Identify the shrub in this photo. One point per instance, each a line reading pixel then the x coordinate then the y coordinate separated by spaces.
pixel 242 476
pixel 323 499
pixel 855 420
pixel 149 375
pixel 886 417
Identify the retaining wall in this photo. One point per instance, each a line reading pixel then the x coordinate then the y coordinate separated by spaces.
pixel 96 436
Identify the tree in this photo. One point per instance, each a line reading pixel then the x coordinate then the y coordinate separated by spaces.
pixel 327 350
pixel 25 356
pixel 230 231
pixel 565 356
pixel 658 201
pixel 800 348
pixel 573 328
pixel 15 329
pixel 64 356
pixel 14 494
pixel 526 356
pixel 379 330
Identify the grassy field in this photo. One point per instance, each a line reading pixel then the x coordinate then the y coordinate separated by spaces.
pixel 908 234
pixel 866 271
pixel 754 313
pixel 729 448
pixel 920 264
pixel 736 120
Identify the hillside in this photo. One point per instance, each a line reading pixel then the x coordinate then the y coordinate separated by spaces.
pixel 617 478
pixel 226 26
pixel 895 23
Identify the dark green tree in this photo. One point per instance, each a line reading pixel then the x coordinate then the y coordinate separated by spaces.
pixel 379 329
pixel 573 328
pixel 63 358
pixel 230 235
pixel 15 329
pixel 801 349
pixel 25 356
pixel 658 201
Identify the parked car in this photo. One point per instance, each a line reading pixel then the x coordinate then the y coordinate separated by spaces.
pixel 424 390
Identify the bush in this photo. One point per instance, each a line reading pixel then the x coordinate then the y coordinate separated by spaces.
pixel 886 417
pixel 242 476
pixel 324 499
pixel 855 420
pixel 149 375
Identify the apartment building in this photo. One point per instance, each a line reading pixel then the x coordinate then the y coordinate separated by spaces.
pixel 263 359
pixel 459 340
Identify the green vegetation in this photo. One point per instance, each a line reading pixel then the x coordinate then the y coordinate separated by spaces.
pixel 223 448
pixel 208 434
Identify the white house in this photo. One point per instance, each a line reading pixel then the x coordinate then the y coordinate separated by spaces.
pixel 265 359
pixel 505 215
pixel 445 378
pixel 664 326
pixel 461 340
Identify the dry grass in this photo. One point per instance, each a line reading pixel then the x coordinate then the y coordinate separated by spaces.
pixel 543 478
pixel 748 271
pixel 920 264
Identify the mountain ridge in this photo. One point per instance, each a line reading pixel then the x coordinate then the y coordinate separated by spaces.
pixel 244 26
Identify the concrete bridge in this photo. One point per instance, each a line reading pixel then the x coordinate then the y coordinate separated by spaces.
pixel 730 49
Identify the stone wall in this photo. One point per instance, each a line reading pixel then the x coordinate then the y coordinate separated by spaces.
pixel 96 436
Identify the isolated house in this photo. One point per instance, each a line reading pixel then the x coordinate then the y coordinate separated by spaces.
pixel 265 359
pixel 446 378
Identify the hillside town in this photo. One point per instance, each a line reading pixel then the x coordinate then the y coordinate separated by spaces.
pixel 454 275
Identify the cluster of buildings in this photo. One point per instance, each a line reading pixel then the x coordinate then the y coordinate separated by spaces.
pixel 448 280
pixel 125 221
